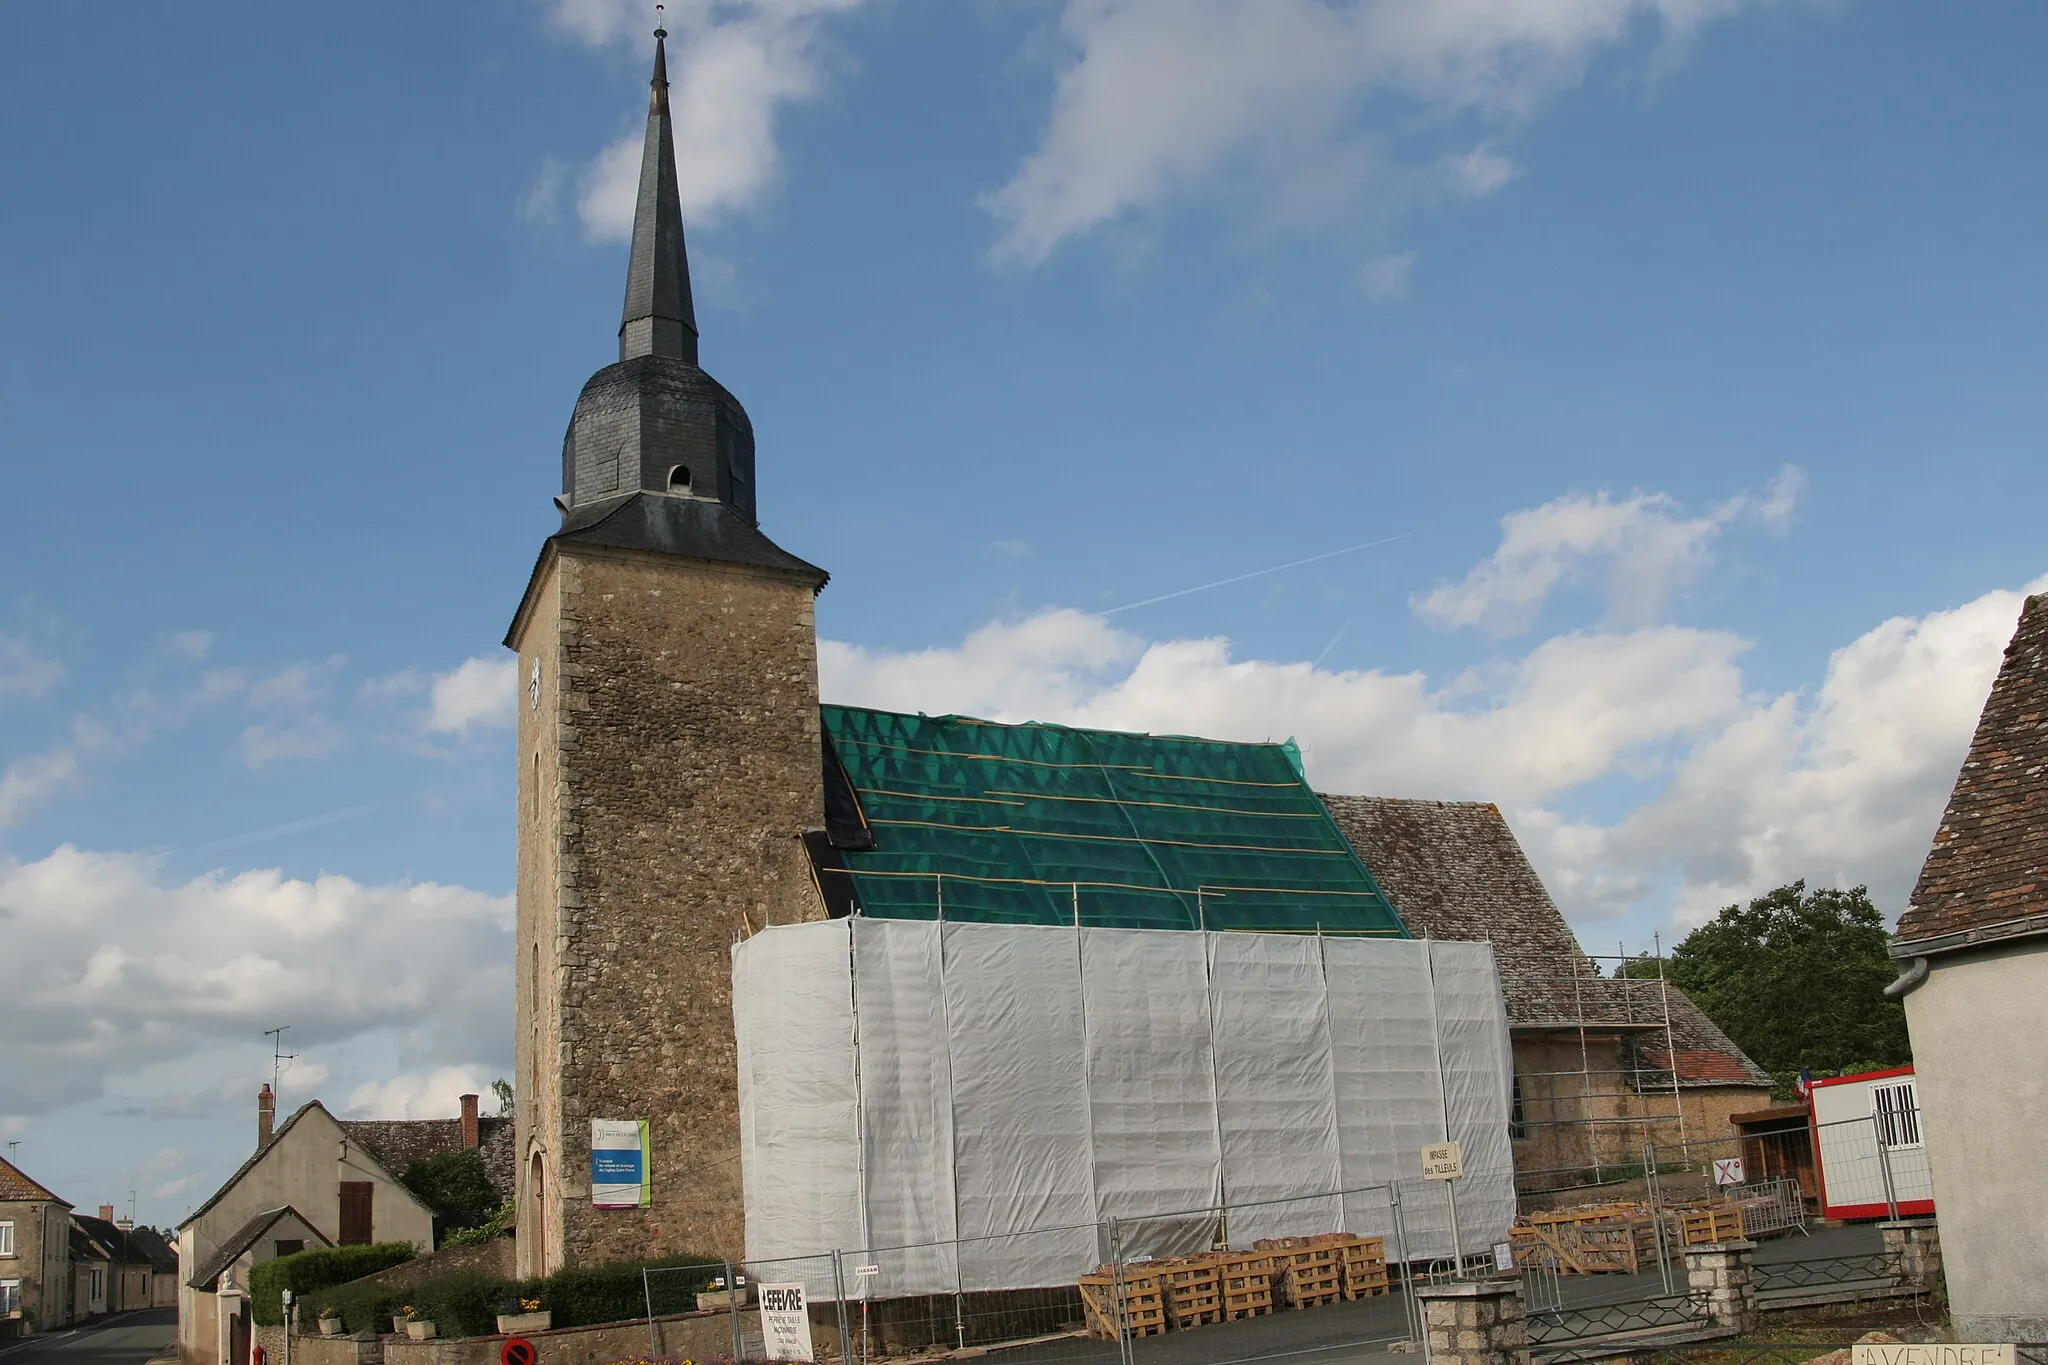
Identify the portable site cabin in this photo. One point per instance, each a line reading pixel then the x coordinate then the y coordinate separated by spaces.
pixel 1867 1133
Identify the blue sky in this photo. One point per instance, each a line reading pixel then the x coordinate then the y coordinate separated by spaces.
pixel 1691 351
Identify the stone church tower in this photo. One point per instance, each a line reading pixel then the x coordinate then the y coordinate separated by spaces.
pixel 669 765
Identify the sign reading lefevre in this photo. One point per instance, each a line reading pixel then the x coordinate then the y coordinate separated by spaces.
pixel 1886 1353
pixel 785 1322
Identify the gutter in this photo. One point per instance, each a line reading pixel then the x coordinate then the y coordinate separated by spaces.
pixel 1915 953
pixel 1910 980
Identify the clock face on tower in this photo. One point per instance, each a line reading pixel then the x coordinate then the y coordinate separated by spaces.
pixel 533 687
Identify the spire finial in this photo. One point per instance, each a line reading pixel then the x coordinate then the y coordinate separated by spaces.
pixel 657 100
pixel 660 318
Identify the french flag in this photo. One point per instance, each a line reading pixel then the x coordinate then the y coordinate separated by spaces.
pixel 1802 1089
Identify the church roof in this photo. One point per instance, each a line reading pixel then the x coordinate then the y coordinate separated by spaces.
pixel 950 817
pixel 1986 877
pixel 1454 870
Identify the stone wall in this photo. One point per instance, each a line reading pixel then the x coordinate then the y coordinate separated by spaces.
pixel 666 776
pixel 685 1336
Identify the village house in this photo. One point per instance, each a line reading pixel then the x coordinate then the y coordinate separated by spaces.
pixel 124 1264
pixel 35 1255
pixel 309 1183
pixel 1601 1064
pixel 1972 944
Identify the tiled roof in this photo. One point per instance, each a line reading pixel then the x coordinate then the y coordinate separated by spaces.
pixel 245 1237
pixel 1987 874
pixel 159 1253
pixel 400 1144
pixel 16 1187
pixel 1454 870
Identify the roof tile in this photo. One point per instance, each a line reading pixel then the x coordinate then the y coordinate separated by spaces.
pixel 1988 865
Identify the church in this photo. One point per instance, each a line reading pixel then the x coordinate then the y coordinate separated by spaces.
pixel 989 977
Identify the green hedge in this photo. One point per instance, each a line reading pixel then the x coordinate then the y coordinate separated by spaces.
pixel 306 1273
pixel 466 1303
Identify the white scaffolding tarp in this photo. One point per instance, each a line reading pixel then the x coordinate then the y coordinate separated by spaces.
pixel 974 1099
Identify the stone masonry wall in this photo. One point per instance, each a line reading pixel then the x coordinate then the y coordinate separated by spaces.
pixel 685 720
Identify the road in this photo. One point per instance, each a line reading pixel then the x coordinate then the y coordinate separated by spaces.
pixel 126 1339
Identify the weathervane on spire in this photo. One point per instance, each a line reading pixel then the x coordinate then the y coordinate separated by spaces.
pixel 660 28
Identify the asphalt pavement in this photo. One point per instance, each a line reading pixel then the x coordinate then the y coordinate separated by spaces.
pixel 124 1339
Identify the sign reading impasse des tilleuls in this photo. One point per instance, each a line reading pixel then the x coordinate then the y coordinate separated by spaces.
pixel 1442 1161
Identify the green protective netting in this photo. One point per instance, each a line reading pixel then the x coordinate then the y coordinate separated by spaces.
pixel 1043 824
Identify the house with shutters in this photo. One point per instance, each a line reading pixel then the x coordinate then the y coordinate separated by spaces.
pixel 35 1255
pixel 309 1183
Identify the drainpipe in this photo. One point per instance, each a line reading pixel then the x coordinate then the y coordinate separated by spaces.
pixel 1910 980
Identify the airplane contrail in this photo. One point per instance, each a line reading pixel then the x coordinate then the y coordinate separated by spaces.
pixel 1257 573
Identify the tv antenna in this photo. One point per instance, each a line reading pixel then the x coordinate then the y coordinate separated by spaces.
pixel 278 1056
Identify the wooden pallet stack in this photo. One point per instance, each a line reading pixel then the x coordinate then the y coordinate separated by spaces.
pixel 1194 1292
pixel 1708 1223
pixel 1308 1270
pixel 1133 1294
pixel 1365 1266
pixel 1247 1283
pixel 1606 1239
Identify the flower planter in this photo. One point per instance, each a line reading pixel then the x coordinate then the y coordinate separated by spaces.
pixel 420 1331
pixel 512 1323
pixel 397 1327
pixel 330 1327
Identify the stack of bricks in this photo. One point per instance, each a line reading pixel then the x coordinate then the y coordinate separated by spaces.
pixel 1475 1322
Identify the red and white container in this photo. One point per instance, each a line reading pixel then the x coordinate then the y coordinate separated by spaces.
pixel 1869 1146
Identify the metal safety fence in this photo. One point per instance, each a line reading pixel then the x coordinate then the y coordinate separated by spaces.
pixel 1333 1271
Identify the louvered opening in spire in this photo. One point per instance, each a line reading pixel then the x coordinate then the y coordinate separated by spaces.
pixel 660 317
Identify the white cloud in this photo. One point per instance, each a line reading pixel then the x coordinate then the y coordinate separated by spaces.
pixel 24 671
pixel 1841 785
pixel 26 783
pixel 1162 99
pixel 1643 548
pixel 1385 278
pixel 1035 669
pixel 435 1094
pixel 479 691
pixel 112 972
pixel 734 66
pixel 311 737
pixel 193 644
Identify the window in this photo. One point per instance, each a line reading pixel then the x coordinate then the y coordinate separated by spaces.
pixel 679 479
pixel 290 1246
pixel 1895 1109
pixel 6 1239
pixel 10 1297
pixel 1518 1124
pixel 98 1290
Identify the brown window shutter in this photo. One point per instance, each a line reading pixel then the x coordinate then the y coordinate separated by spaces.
pixel 355 1211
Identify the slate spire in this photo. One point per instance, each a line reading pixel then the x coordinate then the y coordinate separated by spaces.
pixel 660 318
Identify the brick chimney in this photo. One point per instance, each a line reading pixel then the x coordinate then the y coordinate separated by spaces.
pixel 106 1213
pixel 266 1116
pixel 469 1138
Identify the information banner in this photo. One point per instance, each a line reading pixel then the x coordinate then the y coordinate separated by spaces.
pixel 785 1322
pixel 619 1162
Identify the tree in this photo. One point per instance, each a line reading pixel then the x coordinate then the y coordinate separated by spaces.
pixel 1797 979
pixel 502 1089
pixel 456 1187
